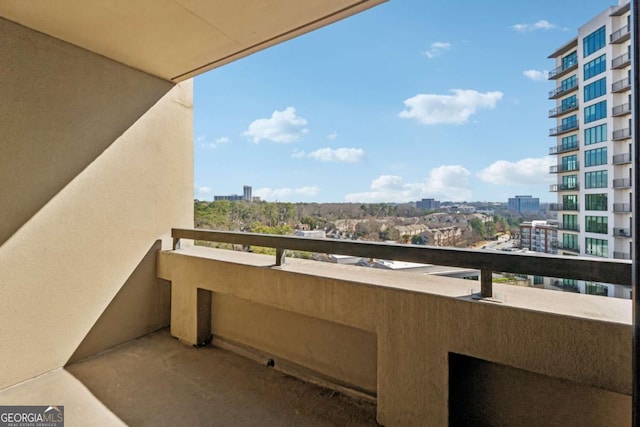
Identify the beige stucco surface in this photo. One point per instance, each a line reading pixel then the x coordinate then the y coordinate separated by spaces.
pixel 59 387
pixel 177 39
pixel 581 342
pixel 95 168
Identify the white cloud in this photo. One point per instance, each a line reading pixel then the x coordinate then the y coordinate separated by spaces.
pixel 333 135
pixel 536 75
pixel 346 155
pixel 448 182
pixel 298 154
pixel 437 48
pixel 283 126
pixel 284 193
pixel 201 192
pixel 523 172
pixel 202 140
pixel 431 109
pixel 540 25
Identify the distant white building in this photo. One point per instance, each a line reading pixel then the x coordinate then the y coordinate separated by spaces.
pixel 313 234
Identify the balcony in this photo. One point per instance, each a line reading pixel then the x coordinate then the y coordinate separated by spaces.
pixel 566 247
pixel 622 183
pixel 621 134
pixel 563 109
pixel 622 207
pixel 621 61
pixel 621 159
pixel 621 110
pixel 554 188
pixel 384 315
pixel 562 70
pixel 567 127
pixel 621 232
pixel 564 168
pixel 621 35
pixel 569 227
pixel 621 85
pixel 564 148
pixel 621 255
pixel 564 207
pixel 560 90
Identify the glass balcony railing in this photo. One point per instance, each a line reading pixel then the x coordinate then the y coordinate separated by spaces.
pixel 621 85
pixel 621 61
pixel 621 134
pixel 620 159
pixel 564 148
pixel 567 127
pixel 620 35
pixel 622 183
pixel 563 69
pixel 621 255
pixel 622 207
pixel 556 207
pixel 564 168
pixel 562 109
pixel 621 110
pixel 554 188
pixel 561 90
pixel 621 232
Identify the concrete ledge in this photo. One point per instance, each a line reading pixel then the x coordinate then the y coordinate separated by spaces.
pixel 419 321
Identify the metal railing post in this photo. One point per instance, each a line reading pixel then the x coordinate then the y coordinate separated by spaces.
pixel 280 256
pixel 486 284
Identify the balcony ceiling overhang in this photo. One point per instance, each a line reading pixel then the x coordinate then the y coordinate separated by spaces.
pixel 177 39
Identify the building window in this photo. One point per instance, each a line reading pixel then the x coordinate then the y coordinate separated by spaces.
pixel 538 280
pixel 570 182
pixel 568 103
pixel 595 157
pixel 569 83
pixel 570 241
pixel 597 247
pixel 595 89
pixel 595 112
pixel 595 67
pixel 594 41
pixel 596 179
pixel 570 163
pixel 593 288
pixel 570 222
pixel 595 134
pixel 595 202
pixel 570 283
pixel 570 122
pixel 570 202
pixel 570 60
pixel 597 224
pixel 570 142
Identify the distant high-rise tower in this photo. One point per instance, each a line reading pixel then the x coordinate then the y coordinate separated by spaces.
pixel 593 142
pixel 247 193
pixel 524 204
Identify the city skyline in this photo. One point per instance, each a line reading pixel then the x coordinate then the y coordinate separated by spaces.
pixel 393 105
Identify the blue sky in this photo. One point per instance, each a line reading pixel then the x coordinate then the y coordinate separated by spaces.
pixel 411 99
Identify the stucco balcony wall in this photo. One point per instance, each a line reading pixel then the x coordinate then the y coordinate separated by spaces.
pixel 398 333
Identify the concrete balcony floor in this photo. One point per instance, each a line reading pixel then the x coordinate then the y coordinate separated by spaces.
pixel 155 380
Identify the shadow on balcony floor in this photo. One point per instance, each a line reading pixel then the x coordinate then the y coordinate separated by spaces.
pixel 155 380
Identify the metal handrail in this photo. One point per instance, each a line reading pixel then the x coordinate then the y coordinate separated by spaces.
pixel 618 61
pixel 621 84
pixel 580 268
pixel 618 34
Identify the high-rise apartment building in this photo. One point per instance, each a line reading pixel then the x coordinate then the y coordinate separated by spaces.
pixel 593 142
pixel 247 193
